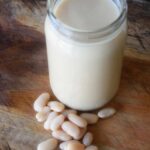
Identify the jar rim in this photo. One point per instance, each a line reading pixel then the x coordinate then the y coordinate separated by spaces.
pixel 98 33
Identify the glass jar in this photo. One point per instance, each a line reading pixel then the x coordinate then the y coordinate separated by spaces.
pixel 85 65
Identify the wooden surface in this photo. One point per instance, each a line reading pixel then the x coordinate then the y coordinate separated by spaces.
pixel 24 75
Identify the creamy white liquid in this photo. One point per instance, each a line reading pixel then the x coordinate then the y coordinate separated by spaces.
pixel 85 76
pixel 87 15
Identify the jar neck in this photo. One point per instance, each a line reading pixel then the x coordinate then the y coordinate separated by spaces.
pixel 87 35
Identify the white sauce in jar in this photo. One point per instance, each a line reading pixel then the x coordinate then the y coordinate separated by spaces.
pixel 85 75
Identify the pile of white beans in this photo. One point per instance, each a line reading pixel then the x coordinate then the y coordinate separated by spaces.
pixel 69 129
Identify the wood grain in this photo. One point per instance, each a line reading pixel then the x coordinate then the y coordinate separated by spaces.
pixel 24 75
pixel 21 131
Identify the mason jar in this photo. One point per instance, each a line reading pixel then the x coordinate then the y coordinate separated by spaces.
pixel 85 50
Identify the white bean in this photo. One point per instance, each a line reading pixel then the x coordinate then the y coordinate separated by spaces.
pixel 71 129
pixel 61 135
pixel 57 122
pixel 92 147
pixel 49 120
pixel 56 106
pixel 41 116
pixel 41 101
pixel 106 112
pixel 74 145
pixel 90 118
pixel 63 145
pixel 50 144
pixel 46 109
pixel 80 122
pixel 88 139
pixel 69 111
pixel 82 132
